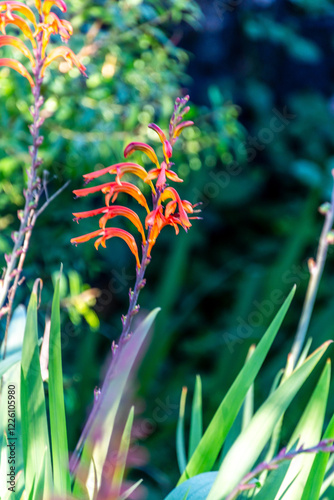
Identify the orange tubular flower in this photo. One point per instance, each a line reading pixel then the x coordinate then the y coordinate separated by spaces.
pixel 168 207
pixel 20 23
pixel 39 36
pixel 11 6
pixel 11 63
pixel 48 4
pixel 67 54
pixel 145 148
pixel 120 169
pixel 110 213
pixel 106 234
pixel 16 42
pixel 113 189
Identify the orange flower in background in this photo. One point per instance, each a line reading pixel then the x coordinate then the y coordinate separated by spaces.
pixel 168 209
pixel 38 34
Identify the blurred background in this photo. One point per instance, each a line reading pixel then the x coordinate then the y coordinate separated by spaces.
pixel 260 77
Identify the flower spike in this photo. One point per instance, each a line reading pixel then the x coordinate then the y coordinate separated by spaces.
pixel 145 148
pixel 168 208
pixel 67 54
pixel 12 63
pixel 18 44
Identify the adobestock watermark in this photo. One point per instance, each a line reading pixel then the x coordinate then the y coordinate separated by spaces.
pixel 220 179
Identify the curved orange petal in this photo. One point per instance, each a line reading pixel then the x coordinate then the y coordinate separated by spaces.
pixel 174 195
pixel 128 188
pixel 9 6
pixel 120 169
pixel 119 233
pixel 145 148
pixel 20 23
pixel 38 5
pixel 166 146
pixel 61 26
pixel 158 130
pixel 182 126
pixel 113 188
pixel 170 208
pixel 48 4
pixel 67 54
pixel 90 213
pixel 86 237
pixel 18 44
pixel 12 63
pixel 118 210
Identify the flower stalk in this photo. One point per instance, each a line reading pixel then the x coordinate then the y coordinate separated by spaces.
pixel 316 268
pixel 38 34
pixel 249 482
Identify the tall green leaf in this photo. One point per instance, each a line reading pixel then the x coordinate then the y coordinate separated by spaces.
pixel 210 445
pixel 35 436
pixel 249 445
pixel 61 477
pixel 315 479
pixel 180 440
pixel 122 456
pixel 101 422
pixel 307 434
pixel 196 424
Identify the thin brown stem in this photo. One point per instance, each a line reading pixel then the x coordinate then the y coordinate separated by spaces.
pixel 32 195
pixel 316 269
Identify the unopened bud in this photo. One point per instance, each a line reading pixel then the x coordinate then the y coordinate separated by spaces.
pixel 97 393
pixel 135 310
pixel 330 237
pixel 311 265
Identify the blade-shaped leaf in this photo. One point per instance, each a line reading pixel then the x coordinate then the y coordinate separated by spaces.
pixel 122 456
pixel 211 443
pixel 35 436
pixel 307 434
pixel 61 477
pixel 248 447
pixel 196 424
pixel 101 421
pixel 180 440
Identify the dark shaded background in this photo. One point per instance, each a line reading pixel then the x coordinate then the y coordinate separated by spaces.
pixel 261 179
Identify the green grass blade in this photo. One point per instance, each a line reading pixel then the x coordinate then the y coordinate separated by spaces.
pixel 211 443
pixel 180 440
pixel 317 473
pixel 273 483
pixel 35 438
pixel 61 476
pixel 248 404
pixel 307 434
pixel 196 423
pixel 122 456
pixel 250 444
